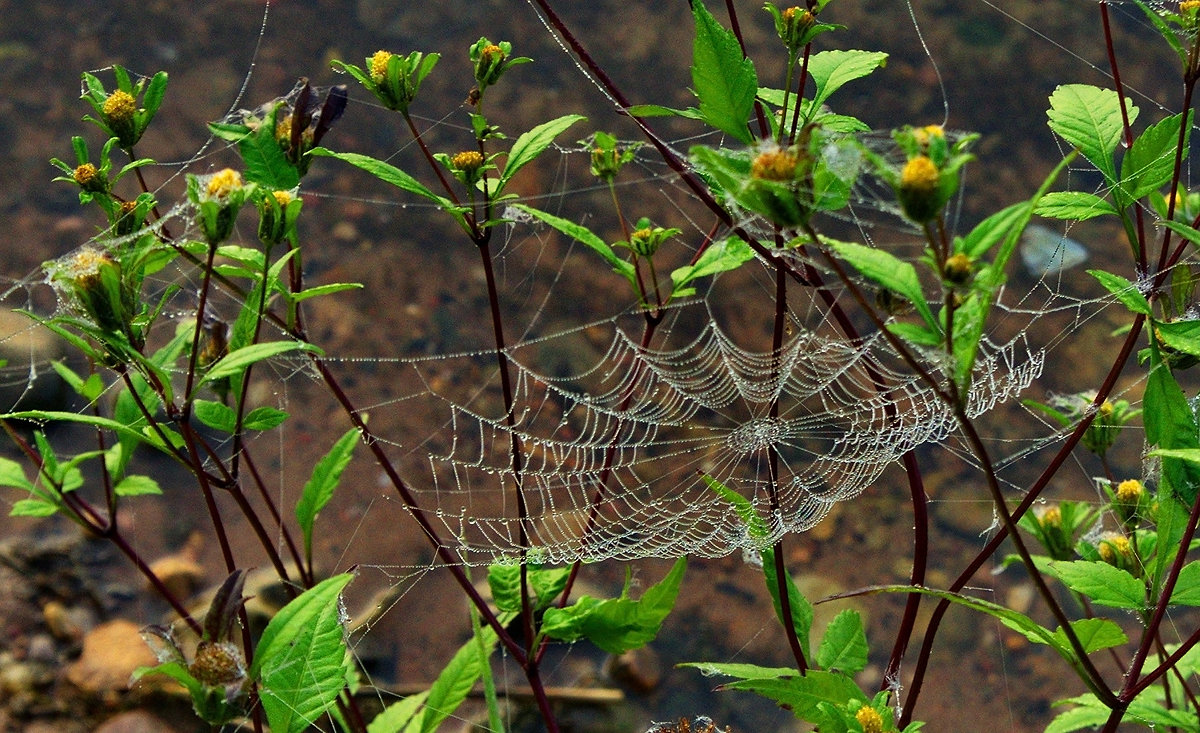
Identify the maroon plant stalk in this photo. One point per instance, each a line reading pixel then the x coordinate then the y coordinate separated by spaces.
pixel 1133 674
pixel 1035 491
pixel 781 576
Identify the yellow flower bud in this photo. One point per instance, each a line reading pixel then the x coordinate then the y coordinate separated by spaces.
pixel 223 183
pixel 870 719
pixel 379 65
pixel 774 165
pixel 918 192
pixel 120 107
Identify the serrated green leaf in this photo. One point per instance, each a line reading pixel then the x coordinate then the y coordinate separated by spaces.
pixel 1170 424
pixel 1125 291
pixel 831 70
pixel 236 362
pixel 318 490
pixel 1150 162
pixel 266 162
pixel 456 679
pixel 844 646
pixel 505 584
pixel 723 79
pixel 1073 205
pixel 1187 587
pixel 264 418
pixel 1094 634
pixel 1104 584
pixel 531 144
pixel 617 625
pixel 803 695
pixel 1089 118
pixel 887 270
pixel 216 415
pixel 13 474
pixel 396 717
pixel 300 661
pixel 33 507
pixel 728 254
pixel 137 486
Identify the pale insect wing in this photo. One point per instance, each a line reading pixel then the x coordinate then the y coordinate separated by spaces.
pixel 1045 251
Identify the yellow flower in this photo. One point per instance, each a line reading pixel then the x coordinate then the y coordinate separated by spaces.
pixel 379 65
pixel 120 107
pixel 774 165
pixel 283 197
pixel 870 719
pixel 1131 490
pixel 467 161
pixel 920 175
pixel 223 183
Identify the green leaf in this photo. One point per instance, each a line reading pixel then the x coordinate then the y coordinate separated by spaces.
pixel 1089 118
pixel 324 290
pixel 915 333
pixel 1150 162
pixel 266 162
pixel 318 490
pixel 235 362
pixel 1187 232
pixel 505 583
pixel 89 389
pixel 741 670
pixel 300 662
pixel 583 235
pixel 137 486
pixel 104 423
pixel 1073 205
pixel 1170 424
pixel 396 717
pixel 13 474
pixel 1125 291
pixel 803 695
pixel 657 110
pixel 844 646
pixel 831 70
pixel 723 79
pixel 33 507
pixel 1094 633
pixel 386 173
pixel 617 625
pixel 264 418
pixel 885 269
pixel 1187 587
pixel 1182 336
pixel 531 144
pixel 216 415
pixel 728 254
pixel 1104 584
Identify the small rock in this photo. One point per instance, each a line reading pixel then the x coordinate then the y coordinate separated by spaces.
pixel 135 721
pixel 111 652
pixel 68 624
pixel 181 573
pixel 638 669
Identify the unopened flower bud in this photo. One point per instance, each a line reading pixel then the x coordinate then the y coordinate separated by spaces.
pixel 1116 550
pixel 89 179
pixel 958 269
pixel 120 114
pixel 918 192
pixel 774 165
pixel 218 664
pixel 379 66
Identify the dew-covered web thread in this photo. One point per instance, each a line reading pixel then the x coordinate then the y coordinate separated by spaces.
pixel 701 408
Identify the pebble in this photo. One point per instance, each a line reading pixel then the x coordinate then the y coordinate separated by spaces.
pixel 111 653
pixel 638 669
